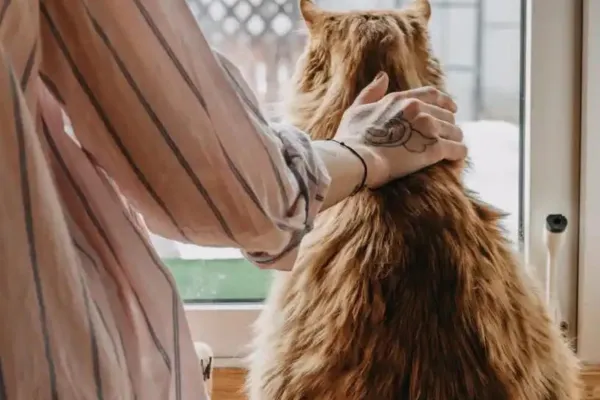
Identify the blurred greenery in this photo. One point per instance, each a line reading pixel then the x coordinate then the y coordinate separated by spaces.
pixel 214 281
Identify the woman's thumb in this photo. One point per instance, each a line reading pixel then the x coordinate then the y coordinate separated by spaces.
pixel 375 90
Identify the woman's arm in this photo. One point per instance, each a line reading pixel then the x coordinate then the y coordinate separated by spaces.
pixel 345 170
pixel 183 140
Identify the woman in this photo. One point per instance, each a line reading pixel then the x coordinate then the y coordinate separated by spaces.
pixel 166 129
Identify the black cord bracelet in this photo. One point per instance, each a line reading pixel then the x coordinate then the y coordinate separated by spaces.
pixel 362 160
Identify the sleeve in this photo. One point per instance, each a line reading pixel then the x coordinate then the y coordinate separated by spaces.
pixel 178 129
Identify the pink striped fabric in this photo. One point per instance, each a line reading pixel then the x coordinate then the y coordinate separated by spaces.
pixel 165 130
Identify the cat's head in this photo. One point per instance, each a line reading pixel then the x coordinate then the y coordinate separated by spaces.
pixel 346 50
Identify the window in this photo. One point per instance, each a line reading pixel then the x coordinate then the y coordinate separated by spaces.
pixel 512 66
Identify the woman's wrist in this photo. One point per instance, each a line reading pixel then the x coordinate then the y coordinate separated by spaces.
pixel 345 167
pixel 360 158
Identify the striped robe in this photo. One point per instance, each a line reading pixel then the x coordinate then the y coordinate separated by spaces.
pixel 165 130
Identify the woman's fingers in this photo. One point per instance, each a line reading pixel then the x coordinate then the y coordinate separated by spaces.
pixel 444 149
pixel 436 112
pixel 431 125
pixel 450 131
pixel 413 110
pixel 427 95
pixel 450 150
pixel 433 96
pixel 374 91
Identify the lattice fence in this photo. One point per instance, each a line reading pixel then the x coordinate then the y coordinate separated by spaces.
pixel 263 37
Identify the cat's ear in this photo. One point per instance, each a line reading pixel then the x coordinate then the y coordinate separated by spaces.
pixel 423 8
pixel 310 13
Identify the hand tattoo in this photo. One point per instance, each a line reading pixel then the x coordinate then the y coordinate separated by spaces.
pixel 397 132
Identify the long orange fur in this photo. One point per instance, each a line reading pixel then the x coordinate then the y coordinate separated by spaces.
pixel 409 292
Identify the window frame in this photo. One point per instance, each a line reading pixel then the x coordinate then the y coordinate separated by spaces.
pixel 552 140
pixel 551 168
pixel 589 252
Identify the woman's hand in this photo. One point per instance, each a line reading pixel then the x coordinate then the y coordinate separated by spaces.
pixel 400 133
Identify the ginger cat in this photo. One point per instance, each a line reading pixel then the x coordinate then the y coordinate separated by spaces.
pixel 409 292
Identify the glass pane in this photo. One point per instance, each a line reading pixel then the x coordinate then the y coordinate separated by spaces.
pixel 478 42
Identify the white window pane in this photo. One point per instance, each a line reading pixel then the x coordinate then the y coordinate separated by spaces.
pixel 460 31
pixel 507 11
pixel 501 73
pixel 493 144
pixel 461 84
pixel 436 31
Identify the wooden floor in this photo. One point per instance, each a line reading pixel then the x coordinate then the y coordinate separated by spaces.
pixel 228 383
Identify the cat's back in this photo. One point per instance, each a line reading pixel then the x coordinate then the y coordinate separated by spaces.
pixel 408 306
